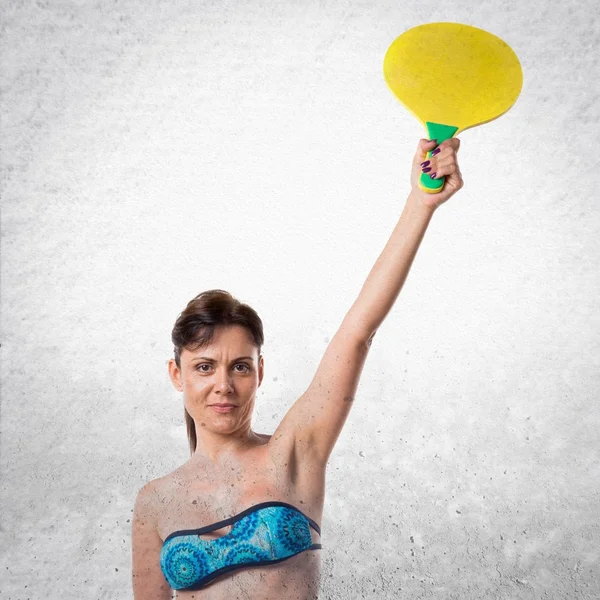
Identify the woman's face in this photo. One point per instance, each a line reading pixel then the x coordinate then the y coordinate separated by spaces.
pixel 219 381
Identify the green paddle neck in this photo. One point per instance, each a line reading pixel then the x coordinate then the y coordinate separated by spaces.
pixel 441 133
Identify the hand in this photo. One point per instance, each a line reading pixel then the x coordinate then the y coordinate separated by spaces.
pixel 444 163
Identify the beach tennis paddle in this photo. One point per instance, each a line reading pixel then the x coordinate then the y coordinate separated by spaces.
pixel 452 77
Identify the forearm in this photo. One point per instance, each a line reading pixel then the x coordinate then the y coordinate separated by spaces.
pixel 390 270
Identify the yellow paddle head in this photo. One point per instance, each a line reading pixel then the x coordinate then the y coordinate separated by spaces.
pixel 451 77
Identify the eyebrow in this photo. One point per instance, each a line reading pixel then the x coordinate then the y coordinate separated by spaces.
pixel 213 360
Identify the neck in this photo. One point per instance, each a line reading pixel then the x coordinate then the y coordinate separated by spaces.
pixel 216 447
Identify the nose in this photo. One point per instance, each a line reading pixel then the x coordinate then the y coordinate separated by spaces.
pixel 223 385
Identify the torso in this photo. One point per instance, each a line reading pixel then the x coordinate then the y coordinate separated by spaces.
pixel 196 495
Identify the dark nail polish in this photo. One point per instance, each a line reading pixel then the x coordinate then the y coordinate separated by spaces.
pixel 426 170
pixel 425 164
pixel 436 151
pixel 433 175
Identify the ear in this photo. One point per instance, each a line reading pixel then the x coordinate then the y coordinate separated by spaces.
pixel 261 369
pixel 175 375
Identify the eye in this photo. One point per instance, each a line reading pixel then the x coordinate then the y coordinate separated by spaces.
pixel 246 368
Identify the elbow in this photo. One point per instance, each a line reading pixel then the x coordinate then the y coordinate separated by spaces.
pixel 360 335
pixel 370 339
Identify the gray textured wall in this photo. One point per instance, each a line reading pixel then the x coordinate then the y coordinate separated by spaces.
pixel 152 150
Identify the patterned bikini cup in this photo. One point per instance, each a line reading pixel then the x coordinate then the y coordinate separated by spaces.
pixel 263 534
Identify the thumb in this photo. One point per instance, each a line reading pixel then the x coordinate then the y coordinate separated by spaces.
pixel 424 147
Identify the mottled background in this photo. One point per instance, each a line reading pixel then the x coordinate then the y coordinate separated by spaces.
pixel 152 150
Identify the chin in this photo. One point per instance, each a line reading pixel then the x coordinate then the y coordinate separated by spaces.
pixel 220 424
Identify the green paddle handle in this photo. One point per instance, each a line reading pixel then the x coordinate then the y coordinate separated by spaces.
pixel 441 133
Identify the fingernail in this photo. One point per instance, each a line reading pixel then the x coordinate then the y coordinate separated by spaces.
pixel 433 175
pixel 425 164
pixel 433 141
pixel 436 151
pixel 426 170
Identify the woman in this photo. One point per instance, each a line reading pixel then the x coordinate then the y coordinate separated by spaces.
pixel 241 518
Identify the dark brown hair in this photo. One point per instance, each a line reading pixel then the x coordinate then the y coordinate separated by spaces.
pixel 195 327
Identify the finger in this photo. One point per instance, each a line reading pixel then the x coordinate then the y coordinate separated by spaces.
pixel 455 179
pixel 452 144
pixel 440 166
pixel 425 146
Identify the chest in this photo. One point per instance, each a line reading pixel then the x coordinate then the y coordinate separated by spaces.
pixel 190 500
pixel 262 513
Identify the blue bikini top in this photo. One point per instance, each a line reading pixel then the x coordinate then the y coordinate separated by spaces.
pixel 263 534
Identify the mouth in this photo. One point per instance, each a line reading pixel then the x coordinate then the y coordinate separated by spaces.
pixel 225 407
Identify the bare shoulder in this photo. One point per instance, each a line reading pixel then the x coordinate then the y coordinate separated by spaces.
pixel 157 490
pixel 147 494
pixel 167 485
pixel 147 501
pixel 158 496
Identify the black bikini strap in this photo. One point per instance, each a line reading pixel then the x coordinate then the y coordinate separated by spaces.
pixel 231 520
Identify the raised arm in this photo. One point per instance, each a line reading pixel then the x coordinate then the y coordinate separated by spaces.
pixel 316 419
